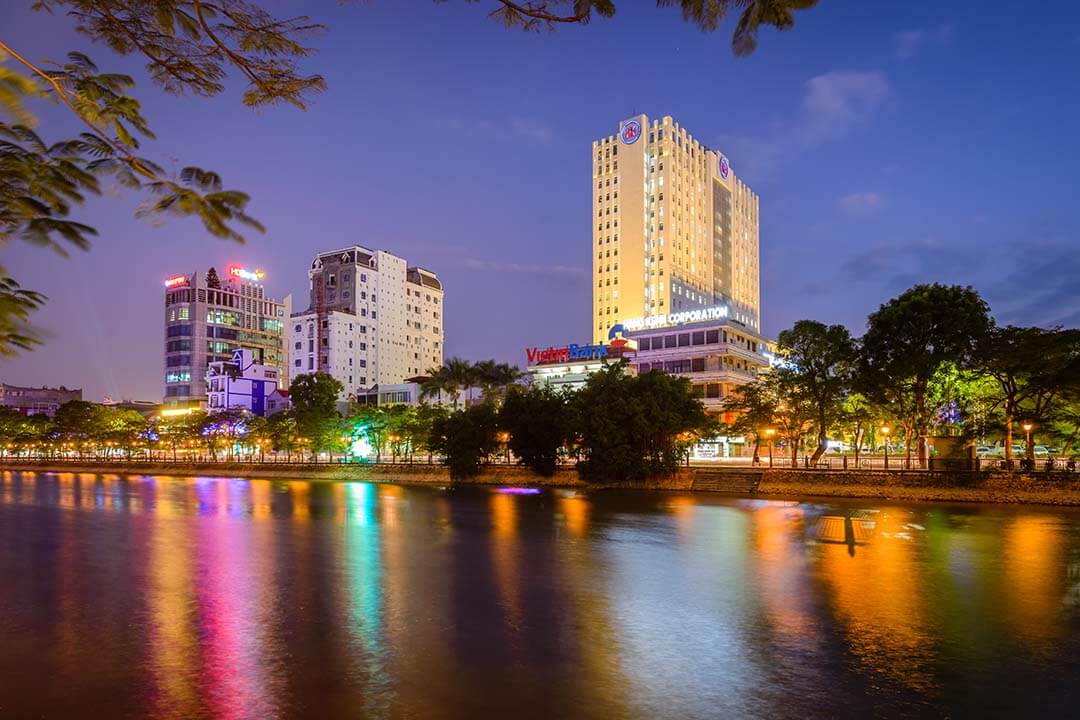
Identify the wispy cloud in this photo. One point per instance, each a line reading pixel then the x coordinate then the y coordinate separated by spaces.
pixel 908 43
pixel 835 101
pixel 532 129
pixel 832 104
pixel 525 269
pixel 860 202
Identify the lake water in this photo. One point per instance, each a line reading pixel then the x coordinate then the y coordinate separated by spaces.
pixel 231 598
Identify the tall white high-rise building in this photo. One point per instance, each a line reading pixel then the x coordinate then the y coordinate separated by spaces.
pixel 674 229
pixel 372 320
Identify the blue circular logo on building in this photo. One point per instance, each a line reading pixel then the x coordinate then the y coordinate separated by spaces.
pixel 630 132
pixel 724 167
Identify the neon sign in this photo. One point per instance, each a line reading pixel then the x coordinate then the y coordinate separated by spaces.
pixel 680 318
pixel 630 132
pixel 245 274
pixel 176 281
pixel 567 353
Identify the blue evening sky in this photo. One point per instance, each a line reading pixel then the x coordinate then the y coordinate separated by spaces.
pixel 891 143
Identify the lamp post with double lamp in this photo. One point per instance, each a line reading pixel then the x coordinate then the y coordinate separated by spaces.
pixel 769 433
pixel 1029 451
pixel 885 430
pixel 504 438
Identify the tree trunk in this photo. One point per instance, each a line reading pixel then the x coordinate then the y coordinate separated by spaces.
pixel 1008 439
pixel 907 448
pixel 822 442
pixel 757 450
pixel 858 442
pixel 794 452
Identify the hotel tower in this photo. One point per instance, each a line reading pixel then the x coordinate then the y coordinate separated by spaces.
pixel 674 230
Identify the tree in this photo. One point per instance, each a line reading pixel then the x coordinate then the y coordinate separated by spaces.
pixel 820 360
pixel 708 16
pixel 1032 369
pixel 908 339
pixel 795 409
pixel 372 421
pixel 754 408
pixel 633 428
pixel 454 376
pixel 284 432
pixel 465 437
pixel 76 422
pixel 315 394
pixel 858 414
pixel 537 421
pixel 494 378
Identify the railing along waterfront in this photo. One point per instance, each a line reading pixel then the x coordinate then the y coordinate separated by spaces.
pixel 905 464
pixel 876 463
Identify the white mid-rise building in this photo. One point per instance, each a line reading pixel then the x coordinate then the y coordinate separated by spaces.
pixel 372 321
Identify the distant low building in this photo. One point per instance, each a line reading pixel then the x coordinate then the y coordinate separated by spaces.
pixel 410 392
pixel 36 401
pixel 146 408
pixel 245 384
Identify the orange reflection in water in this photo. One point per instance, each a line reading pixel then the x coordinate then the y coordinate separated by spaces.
pixel 171 631
pixel 575 511
pixel 506 555
pixel 780 567
pixel 879 600
pixel 1034 587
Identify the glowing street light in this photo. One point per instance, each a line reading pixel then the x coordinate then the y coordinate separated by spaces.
pixel 1028 427
pixel 885 430
pixel 504 438
pixel 769 433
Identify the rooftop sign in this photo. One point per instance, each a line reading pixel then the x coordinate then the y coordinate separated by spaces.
pixel 718 312
pixel 176 281
pixel 630 132
pixel 245 274
pixel 567 353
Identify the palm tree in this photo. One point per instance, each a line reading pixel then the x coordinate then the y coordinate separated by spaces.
pixel 495 377
pixel 451 378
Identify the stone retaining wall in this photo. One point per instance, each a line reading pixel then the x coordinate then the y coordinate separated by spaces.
pixel 337 472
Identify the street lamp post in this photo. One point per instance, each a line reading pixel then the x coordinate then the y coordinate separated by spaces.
pixel 885 430
pixel 504 438
pixel 769 433
pixel 1029 450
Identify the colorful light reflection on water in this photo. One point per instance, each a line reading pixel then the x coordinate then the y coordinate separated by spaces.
pixel 226 597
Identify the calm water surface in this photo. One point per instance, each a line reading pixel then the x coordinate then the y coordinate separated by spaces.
pixel 228 598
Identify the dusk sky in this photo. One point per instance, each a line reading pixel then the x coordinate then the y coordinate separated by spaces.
pixel 890 143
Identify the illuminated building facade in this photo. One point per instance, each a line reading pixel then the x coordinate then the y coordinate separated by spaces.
pixel 207 317
pixel 372 321
pixel 674 228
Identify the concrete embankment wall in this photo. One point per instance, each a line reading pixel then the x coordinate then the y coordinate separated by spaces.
pixel 777 482
pixel 335 472
pixel 1002 487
